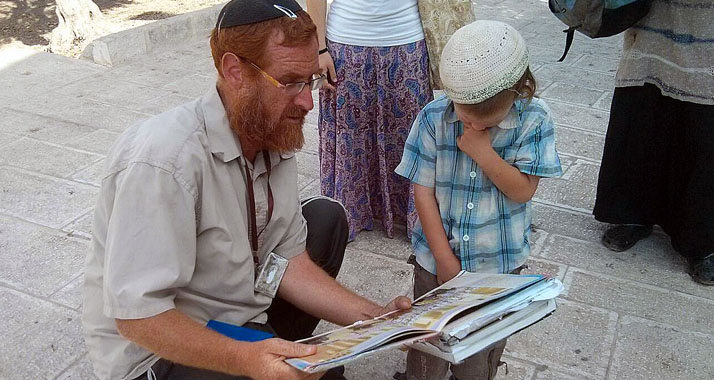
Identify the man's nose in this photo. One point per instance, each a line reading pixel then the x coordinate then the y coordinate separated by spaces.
pixel 304 99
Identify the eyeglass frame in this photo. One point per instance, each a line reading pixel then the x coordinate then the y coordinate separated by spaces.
pixel 315 83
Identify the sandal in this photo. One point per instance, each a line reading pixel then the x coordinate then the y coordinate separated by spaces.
pixel 622 237
pixel 702 271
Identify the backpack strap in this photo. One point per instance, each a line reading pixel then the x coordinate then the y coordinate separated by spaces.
pixel 568 41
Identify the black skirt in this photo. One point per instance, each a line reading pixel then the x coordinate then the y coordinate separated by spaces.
pixel 658 167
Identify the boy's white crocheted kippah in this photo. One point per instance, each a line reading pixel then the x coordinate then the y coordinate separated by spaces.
pixel 482 59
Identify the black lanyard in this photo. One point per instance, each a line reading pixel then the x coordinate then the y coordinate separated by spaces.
pixel 251 207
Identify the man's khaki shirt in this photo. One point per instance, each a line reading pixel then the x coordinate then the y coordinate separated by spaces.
pixel 171 230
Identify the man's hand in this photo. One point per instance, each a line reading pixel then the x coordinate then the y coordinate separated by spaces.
pixel 447 267
pixel 327 67
pixel 266 361
pixel 475 143
pixel 399 303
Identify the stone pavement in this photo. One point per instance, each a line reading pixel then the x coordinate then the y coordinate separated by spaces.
pixel 633 315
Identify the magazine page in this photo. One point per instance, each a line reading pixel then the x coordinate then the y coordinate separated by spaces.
pixel 464 325
pixel 467 290
pixel 339 346
pixel 428 315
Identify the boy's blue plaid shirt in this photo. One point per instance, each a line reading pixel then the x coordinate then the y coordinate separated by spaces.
pixel 489 231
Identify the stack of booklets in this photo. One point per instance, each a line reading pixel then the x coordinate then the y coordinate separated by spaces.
pixel 454 321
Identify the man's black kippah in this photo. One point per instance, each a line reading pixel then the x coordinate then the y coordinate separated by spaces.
pixel 242 12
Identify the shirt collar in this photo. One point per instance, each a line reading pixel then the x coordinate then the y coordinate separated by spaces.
pixel 510 122
pixel 223 142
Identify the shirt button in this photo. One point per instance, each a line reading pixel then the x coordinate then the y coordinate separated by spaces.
pixel 473 174
pixel 466 237
pixel 470 206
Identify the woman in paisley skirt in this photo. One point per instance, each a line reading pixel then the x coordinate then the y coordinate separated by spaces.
pixel 376 59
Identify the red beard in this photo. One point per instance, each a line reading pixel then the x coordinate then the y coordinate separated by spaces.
pixel 249 119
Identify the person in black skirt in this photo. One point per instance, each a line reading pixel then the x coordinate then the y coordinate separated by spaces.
pixel 658 161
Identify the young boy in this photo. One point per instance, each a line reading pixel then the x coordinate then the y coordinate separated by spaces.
pixel 475 157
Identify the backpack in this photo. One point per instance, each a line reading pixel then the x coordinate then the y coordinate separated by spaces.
pixel 597 18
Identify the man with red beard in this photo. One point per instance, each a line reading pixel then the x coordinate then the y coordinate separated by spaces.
pixel 198 220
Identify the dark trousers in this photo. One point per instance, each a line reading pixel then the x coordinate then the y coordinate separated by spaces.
pixel 657 168
pixel 327 231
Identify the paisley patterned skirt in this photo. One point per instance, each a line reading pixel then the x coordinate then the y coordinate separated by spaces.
pixel 363 125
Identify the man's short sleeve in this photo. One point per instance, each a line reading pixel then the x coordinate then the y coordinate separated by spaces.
pixel 150 245
pixel 294 241
pixel 419 158
pixel 536 153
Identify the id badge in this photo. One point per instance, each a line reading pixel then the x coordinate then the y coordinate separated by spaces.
pixel 270 273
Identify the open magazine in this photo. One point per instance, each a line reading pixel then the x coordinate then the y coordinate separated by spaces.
pixel 442 321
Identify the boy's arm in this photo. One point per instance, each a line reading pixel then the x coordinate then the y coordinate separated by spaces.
pixel 517 186
pixel 447 264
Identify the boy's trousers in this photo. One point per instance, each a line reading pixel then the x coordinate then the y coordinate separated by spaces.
pixel 422 366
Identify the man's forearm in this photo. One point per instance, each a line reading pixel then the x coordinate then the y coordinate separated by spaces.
pixel 308 287
pixel 174 336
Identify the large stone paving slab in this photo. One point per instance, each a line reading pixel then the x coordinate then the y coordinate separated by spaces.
pixel 91 174
pixel 83 111
pixel 576 77
pixel 576 339
pixel 15 121
pixel 164 103
pixel 7 138
pixel 379 366
pixel 564 222
pixel 676 355
pixel 597 63
pixel 70 295
pixel 649 262
pixel 378 243
pixel 645 301
pixel 81 370
pixel 575 190
pixel 50 201
pixel 378 278
pixel 27 73
pixel 37 260
pixel 192 86
pixel 40 339
pixel 579 143
pixel 98 141
pixel 308 164
pixel 129 95
pixel 45 158
pixel 151 75
pixel 573 94
pixel 82 227
pixel 576 116
pixel 515 369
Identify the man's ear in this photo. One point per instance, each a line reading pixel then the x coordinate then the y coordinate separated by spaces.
pixel 232 69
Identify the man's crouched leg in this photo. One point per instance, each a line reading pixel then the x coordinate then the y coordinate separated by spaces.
pixel 327 231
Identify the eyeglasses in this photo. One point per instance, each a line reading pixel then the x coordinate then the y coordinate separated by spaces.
pixel 292 89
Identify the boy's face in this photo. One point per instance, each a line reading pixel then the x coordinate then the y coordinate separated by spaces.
pixel 480 122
